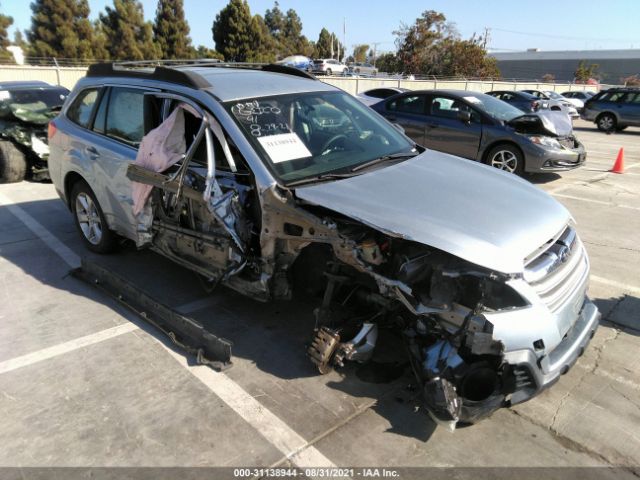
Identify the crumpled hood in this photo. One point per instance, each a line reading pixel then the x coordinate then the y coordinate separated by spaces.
pixel 544 122
pixel 475 212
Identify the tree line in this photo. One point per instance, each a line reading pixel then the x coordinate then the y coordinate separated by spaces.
pixel 62 29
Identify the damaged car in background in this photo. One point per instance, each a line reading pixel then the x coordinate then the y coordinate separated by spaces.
pixel 25 110
pixel 273 184
pixel 480 127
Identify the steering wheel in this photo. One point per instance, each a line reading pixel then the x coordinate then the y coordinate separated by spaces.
pixel 331 141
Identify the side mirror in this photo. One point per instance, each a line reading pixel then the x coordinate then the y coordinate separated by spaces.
pixel 464 116
pixel 399 127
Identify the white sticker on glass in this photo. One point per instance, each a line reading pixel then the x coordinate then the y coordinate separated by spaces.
pixel 4 94
pixel 284 147
pixel 472 99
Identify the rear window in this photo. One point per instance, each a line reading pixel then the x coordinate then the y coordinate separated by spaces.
pixel 125 115
pixel 80 110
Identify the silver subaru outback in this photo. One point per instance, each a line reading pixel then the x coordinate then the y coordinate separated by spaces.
pixel 269 182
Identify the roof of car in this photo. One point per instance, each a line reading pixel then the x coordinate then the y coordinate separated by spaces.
pixel 227 81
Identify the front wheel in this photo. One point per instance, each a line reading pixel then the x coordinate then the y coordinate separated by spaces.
pixel 606 122
pixel 13 164
pixel 90 220
pixel 507 158
pixel 328 72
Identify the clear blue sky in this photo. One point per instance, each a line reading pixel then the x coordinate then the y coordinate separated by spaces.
pixel 515 25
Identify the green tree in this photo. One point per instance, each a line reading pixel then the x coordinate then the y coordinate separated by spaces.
pixel 360 53
pixel 293 41
pixel 432 46
pixel 261 43
pixel 171 30
pixel 61 28
pixel 128 36
pixel 232 31
pixel 324 48
pixel 5 23
pixel 275 21
pixel 388 62
pixel 585 72
pixel 206 52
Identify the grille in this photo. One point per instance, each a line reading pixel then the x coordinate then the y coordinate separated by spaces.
pixel 567 142
pixel 523 377
pixel 558 270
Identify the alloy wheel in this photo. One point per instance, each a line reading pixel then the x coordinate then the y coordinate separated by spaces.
pixel 88 218
pixel 606 122
pixel 505 160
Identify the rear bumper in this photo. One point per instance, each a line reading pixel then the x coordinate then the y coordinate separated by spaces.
pixel 538 374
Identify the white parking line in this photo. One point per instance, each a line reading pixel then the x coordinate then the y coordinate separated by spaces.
pixel 612 283
pixel 272 428
pixel 281 436
pixel 593 200
pixel 64 252
pixel 62 348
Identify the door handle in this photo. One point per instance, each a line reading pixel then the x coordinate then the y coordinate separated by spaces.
pixel 433 125
pixel 92 151
pixel 391 118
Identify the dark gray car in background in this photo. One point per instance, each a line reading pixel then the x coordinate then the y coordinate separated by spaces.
pixel 521 100
pixel 479 127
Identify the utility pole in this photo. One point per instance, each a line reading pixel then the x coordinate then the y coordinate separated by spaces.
pixel 344 38
pixel 375 49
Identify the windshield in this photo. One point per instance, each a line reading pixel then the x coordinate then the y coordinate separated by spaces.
pixel 494 107
pixel 554 95
pixel 311 134
pixel 50 97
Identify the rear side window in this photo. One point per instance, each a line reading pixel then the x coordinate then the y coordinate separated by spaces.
pixel 125 115
pixel 80 110
pixel 410 104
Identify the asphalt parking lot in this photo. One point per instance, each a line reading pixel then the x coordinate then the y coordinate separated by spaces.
pixel 84 382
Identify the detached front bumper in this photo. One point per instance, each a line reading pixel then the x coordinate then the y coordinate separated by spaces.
pixel 533 375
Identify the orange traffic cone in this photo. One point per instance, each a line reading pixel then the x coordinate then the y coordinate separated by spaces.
pixel 618 167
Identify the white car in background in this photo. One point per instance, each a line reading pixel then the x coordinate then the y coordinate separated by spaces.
pixel 374 95
pixel 327 66
pixel 576 102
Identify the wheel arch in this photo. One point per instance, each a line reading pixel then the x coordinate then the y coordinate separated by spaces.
pixel 70 180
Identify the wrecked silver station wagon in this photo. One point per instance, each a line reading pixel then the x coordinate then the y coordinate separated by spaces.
pixel 274 184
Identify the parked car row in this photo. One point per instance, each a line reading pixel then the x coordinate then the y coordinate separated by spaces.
pixel 269 182
pixel 614 109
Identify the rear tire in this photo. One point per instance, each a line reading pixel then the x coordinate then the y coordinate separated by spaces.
pixel 13 164
pixel 90 220
pixel 329 72
pixel 507 158
pixel 606 122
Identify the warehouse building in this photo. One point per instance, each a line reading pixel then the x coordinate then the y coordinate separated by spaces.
pixel 614 65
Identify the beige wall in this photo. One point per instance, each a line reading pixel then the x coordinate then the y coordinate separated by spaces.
pixel 68 76
pixel 65 76
pixel 358 85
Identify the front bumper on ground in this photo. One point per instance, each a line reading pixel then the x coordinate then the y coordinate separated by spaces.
pixel 534 375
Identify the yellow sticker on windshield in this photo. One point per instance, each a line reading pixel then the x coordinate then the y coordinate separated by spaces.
pixel 284 147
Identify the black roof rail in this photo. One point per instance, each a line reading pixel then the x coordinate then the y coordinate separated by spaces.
pixel 165 74
pixel 173 71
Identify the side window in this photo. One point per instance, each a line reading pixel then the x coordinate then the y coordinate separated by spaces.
pixel 449 108
pixel 410 104
pixel 631 98
pixel 125 115
pixel 80 110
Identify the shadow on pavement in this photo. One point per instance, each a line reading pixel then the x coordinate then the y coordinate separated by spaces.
pixel 272 336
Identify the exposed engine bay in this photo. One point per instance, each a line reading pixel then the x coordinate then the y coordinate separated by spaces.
pixel 207 214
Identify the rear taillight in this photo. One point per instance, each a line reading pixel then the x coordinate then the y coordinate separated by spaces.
pixel 52 129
